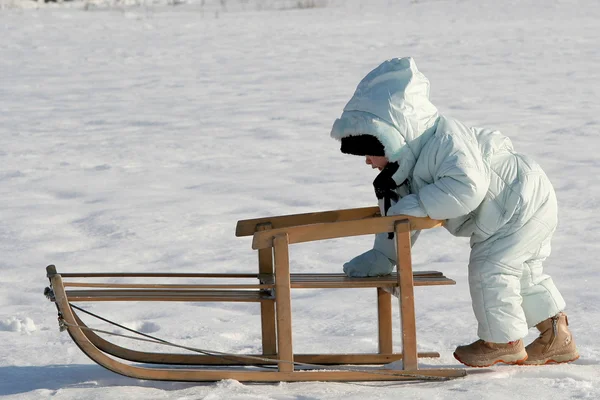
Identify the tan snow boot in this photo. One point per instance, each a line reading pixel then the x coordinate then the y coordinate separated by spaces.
pixel 555 343
pixel 485 354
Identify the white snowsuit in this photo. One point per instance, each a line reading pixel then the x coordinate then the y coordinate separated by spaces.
pixel 474 180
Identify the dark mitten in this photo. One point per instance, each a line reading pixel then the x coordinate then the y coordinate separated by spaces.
pixel 384 186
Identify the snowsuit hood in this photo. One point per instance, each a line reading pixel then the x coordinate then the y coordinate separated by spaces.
pixel 392 104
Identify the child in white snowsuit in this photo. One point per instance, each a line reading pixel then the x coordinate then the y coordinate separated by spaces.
pixel 473 180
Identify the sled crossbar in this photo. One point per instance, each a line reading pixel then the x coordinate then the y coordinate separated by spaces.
pixel 248 227
pixel 271 288
pixel 167 295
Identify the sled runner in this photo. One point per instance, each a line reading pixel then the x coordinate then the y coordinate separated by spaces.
pixel 271 286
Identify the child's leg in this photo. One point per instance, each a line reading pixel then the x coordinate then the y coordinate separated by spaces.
pixel 541 298
pixel 495 286
pixel 509 290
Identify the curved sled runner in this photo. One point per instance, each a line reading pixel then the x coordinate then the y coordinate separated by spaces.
pixel 271 288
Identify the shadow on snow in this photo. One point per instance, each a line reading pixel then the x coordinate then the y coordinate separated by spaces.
pixel 17 379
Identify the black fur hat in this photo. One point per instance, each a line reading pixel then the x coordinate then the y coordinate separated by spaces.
pixel 362 145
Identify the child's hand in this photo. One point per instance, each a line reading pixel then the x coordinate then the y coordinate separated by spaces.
pixel 370 263
pixel 408 205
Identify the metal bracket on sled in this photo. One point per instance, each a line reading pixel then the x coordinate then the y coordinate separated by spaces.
pixel 62 325
pixel 49 293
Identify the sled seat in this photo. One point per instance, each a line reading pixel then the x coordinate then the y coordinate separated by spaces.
pixel 246 296
pixel 229 293
pixel 341 281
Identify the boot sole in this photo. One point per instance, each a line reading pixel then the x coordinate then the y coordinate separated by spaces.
pixel 509 362
pixel 567 358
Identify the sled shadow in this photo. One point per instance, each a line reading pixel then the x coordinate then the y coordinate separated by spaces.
pixel 17 380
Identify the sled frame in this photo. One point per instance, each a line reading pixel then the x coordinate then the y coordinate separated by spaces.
pixel 272 237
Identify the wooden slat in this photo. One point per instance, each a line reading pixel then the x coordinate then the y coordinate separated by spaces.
pixel 336 275
pixel 406 299
pixel 418 281
pixel 248 227
pixel 167 295
pixel 350 283
pixel 339 280
pixel 322 231
pixel 232 286
pixel 283 303
pixel 152 275
pixel 267 308
pixel 384 321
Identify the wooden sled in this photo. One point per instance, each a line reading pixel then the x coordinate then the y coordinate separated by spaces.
pixel 271 287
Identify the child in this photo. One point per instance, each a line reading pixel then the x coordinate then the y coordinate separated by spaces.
pixel 474 180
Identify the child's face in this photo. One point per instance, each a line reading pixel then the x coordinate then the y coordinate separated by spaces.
pixel 378 162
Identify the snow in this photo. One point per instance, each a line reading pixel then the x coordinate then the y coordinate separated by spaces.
pixel 133 139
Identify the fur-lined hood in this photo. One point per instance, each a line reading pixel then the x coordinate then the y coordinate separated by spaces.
pixel 392 104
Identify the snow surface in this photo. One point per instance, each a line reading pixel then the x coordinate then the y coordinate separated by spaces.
pixel 133 139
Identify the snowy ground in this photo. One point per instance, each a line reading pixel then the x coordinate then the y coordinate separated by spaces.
pixel 133 139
